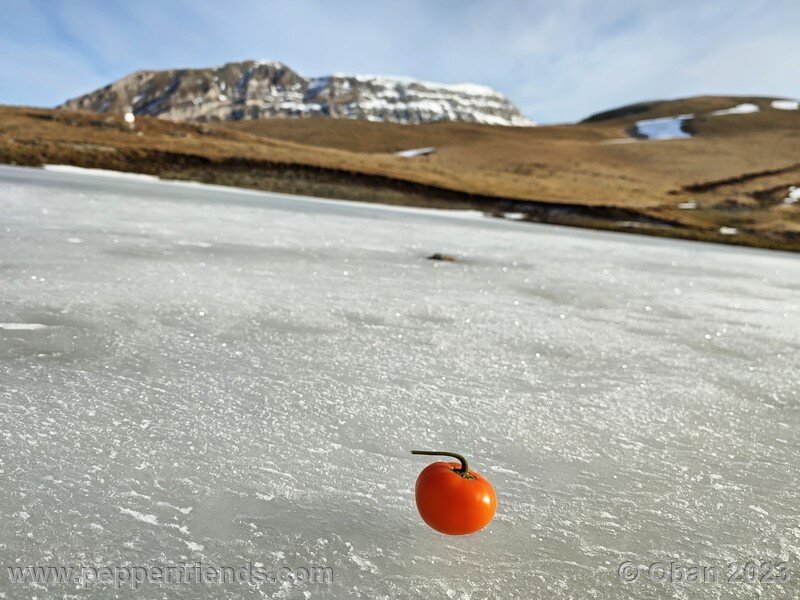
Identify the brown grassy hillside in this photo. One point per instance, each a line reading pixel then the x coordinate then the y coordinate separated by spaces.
pixel 737 168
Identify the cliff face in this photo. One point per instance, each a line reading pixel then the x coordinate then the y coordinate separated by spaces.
pixel 261 90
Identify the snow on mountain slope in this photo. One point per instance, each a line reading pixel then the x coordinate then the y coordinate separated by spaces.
pixel 257 90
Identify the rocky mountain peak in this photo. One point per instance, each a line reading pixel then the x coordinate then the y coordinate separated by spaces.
pixel 268 89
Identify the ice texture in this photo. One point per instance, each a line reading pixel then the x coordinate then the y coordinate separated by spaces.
pixel 227 376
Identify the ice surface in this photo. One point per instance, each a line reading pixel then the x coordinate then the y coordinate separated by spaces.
pixel 666 128
pixel 230 376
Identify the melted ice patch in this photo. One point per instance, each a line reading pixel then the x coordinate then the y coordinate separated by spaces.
pixel 666 128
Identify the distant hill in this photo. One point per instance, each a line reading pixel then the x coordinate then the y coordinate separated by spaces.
pixel 710 168
pixel 697 105
pixel 259 90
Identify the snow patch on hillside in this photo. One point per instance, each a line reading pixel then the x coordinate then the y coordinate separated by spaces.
pixel 413 152
pixel 101 172
pixel 786 104
pixel 740 109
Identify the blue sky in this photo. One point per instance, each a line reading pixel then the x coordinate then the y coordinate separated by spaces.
pixel 557 60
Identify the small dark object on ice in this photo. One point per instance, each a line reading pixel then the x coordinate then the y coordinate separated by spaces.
pixel 443 257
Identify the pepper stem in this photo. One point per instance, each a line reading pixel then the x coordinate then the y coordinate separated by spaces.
pixel 463 471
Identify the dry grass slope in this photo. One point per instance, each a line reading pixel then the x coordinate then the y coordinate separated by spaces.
pixel 736 168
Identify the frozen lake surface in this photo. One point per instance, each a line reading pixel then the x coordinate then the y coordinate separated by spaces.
pixel 204 375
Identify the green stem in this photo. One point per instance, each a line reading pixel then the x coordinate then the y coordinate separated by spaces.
pixel 463 471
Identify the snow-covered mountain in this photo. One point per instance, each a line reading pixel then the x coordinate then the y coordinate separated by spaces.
pixel 259 90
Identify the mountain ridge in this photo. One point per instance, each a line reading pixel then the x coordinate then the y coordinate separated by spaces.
pixel 251 90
